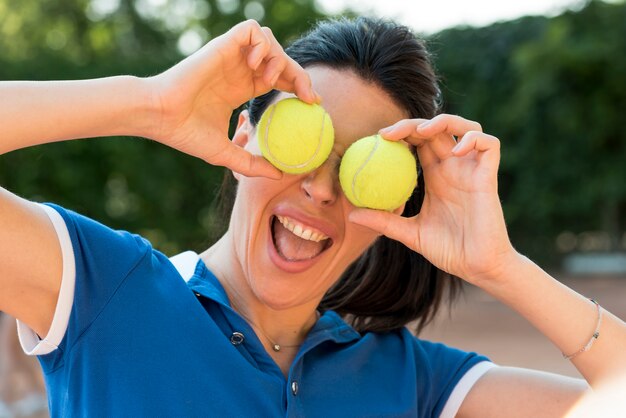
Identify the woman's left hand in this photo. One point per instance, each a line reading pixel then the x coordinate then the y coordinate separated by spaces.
pixel 460 228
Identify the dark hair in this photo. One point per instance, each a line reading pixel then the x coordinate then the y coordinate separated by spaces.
pixel 390 285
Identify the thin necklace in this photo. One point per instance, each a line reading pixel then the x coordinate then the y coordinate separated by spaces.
pixel 275 346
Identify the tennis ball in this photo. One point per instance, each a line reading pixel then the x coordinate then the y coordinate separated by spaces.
pixel 294 136
pixel 377 173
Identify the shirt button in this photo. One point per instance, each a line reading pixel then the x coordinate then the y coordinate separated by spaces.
pixel 237 338
pixel 294 388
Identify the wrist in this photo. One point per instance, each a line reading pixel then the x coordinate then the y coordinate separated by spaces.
pixel 506 268
pixel 144 108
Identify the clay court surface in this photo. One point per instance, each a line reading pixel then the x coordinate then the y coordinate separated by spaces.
pixel 479 323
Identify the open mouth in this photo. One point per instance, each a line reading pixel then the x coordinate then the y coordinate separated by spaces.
pixel 295 241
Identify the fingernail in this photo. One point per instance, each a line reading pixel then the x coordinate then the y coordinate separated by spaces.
pixel 456 148
pixel 425 124
pixel 313 98
pixel 353 216
pixel 386 130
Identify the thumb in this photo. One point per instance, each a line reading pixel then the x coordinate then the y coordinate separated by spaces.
pixel 389 224
pixel 246 163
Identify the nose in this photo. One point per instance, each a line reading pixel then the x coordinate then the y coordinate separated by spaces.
pixel 321 185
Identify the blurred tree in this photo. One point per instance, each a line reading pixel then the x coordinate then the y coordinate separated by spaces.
pixel 572 92
pixel 554 92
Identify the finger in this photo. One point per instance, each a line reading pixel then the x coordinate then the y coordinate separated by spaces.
pixel 275 61
pixel 431 148
pixel 389 224
pixel 487 146
pixel 251 37
pixel 402 129
pixel 296 80
pixel 426 157
pixel 241 161
pixel 450 124
pixel 286 74
pixel 445 127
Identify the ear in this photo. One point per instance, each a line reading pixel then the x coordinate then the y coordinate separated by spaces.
pixel 242 134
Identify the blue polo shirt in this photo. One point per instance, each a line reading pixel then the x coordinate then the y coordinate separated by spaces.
pixel 142 340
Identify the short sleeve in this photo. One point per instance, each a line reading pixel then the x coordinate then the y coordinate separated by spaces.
pixel 33 344
pixel 102 259
pixel 449 375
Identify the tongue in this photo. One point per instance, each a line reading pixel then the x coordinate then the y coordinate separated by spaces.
pixel 292 247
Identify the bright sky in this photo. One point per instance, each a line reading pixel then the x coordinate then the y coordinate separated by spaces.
pixel 434 15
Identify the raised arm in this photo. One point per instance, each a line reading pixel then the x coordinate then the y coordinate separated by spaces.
pixel 38 112
pixel 461 230
pixel 34 113
pixel 188 107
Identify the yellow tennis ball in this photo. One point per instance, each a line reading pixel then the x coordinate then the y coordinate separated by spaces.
pixel 294 136
pixel 377 173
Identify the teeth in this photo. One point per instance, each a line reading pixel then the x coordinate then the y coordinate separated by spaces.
pixel 301 230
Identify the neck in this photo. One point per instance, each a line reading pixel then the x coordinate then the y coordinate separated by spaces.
pixel 286 327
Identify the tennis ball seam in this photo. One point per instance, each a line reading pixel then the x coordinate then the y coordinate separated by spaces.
pixel 268 124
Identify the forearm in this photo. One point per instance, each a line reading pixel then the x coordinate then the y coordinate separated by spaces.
pixel 38 112
pixel 567 318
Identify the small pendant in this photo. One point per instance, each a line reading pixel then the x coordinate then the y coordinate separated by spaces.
pixel 276 347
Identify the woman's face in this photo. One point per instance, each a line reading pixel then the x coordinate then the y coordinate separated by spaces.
pixel 271 217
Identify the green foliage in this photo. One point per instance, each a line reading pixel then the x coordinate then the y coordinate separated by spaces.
pixel 554 92
pixel 552 89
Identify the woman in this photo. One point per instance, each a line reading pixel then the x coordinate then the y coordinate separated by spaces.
pixel 242 335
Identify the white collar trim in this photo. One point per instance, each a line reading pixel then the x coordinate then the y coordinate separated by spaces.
pixel 185 263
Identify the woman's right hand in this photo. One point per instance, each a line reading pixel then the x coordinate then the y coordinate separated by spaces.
pixel 194 101
pixel 196 98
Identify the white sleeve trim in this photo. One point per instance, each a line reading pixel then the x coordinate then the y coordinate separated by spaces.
pixel 463 387
pixel 30 341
